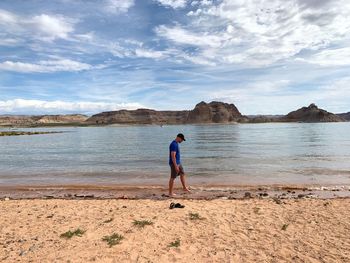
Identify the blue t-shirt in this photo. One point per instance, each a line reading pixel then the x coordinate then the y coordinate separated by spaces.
pixel 174 147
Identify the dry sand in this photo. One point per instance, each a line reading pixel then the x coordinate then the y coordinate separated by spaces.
pixel 254 230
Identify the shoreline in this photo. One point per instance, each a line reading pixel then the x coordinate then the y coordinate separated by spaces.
pixel 82 125
pixel 159 191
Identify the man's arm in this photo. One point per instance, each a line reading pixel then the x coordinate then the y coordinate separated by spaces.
pixel 173 158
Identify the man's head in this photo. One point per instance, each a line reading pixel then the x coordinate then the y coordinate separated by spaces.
pixel 180 138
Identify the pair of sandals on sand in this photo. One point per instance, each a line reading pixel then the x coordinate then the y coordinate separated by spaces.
pixel 177 205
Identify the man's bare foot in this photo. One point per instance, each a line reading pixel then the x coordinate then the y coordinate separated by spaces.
pixel 187 190
pixel 172 194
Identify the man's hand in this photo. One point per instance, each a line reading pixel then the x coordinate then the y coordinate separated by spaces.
pixel 173 158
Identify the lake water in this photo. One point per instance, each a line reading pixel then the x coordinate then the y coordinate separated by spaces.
pixel 292 153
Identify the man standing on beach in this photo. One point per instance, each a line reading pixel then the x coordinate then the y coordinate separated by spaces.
pixel 175 164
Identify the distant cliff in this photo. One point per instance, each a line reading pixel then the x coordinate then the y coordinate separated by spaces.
pixel 311 114
pixel 140 116
pixel 42 120
pixel 213 112
pixel 345 116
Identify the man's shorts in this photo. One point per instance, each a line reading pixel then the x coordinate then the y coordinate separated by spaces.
pixel 174 174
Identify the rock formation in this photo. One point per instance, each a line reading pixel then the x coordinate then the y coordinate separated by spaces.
pixel 345 116
pixel 42 120
pixel 311 114
pixel 264 118
pixel 214 112
pixel 140 116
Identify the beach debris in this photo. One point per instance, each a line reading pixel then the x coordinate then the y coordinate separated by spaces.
pixel 31 249
pixel 175 243
pixel 108 220
pixel 277 200
pixel 142 223
pixel 195 216
pixel 7 199
pixel 69 234
pixel 49 196
pixel 256 210
pixel 177 205
pixel 247 195
pixel 284 227
pixel 263 194
pixel 83 196
pixel 301 195
pixel 113 239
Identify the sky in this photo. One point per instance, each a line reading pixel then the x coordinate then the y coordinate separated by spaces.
pixel 88 56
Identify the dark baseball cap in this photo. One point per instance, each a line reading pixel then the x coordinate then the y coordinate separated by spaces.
pixel 180 135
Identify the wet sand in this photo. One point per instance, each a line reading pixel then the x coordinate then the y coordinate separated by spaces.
pixel 159 192
pixel 248 230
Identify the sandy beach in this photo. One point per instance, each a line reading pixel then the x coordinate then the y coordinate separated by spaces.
pixel 246 230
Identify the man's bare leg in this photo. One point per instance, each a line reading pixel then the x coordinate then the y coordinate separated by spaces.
pixel 171 186
pixel 183 182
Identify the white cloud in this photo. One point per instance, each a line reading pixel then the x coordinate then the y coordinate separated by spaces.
pixel 173 3
pixel 51 27
pixel 45 66
pixel 332 57
pixel 44 27
pixel 118 6
pixel 261 32
pixel 58 106
pixel 149 53
pixel 8 41
pixel 7 17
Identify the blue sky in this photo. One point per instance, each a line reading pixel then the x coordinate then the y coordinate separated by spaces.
pixel 265 56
